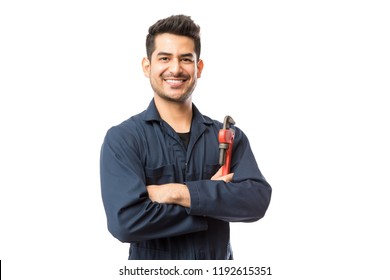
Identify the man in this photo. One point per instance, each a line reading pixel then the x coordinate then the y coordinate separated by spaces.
pixel 162 186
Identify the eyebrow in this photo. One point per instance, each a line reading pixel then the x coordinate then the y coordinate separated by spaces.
pixel 169 54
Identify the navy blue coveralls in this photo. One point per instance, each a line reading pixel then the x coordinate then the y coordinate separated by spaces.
pixel 145 150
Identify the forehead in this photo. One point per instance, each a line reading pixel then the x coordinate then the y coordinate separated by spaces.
pixel 174 44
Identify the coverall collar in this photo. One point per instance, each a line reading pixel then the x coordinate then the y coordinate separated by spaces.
pixel 152 114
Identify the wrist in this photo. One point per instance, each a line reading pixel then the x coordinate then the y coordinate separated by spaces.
pixel 181 195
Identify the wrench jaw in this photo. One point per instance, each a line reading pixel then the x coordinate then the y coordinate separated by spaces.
pixel 227 122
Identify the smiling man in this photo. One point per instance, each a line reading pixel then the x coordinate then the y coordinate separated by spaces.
pixel 162 187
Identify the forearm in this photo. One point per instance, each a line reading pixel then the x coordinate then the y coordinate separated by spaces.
pixel 133 217
pixel 245 201
pixel 172 193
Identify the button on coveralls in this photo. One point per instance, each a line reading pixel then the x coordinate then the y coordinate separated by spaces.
pixel 145 150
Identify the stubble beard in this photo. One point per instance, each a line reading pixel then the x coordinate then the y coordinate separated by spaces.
pixel 180 99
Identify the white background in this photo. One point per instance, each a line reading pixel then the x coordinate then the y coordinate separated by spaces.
pixel 308 81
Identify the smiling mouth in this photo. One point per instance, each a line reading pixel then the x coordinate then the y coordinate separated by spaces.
pixel 175 82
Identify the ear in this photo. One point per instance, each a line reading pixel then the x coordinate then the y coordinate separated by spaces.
pixel 200 68
pixel 146 67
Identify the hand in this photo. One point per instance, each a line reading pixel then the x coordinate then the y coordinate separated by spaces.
pixel 218 176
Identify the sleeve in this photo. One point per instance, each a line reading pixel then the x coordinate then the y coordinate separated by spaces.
pixel 131 215
pixel 245 199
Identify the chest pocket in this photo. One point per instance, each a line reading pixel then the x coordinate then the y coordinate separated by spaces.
pixel 160 175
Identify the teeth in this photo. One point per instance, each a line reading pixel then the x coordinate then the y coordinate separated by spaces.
pixel 175 81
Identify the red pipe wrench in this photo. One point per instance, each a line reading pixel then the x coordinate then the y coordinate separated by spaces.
pixel 226 140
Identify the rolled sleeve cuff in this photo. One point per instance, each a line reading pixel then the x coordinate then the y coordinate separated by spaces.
pixel 195 208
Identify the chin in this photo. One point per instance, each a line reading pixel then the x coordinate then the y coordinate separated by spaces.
pixel 178 98
pixel 181 99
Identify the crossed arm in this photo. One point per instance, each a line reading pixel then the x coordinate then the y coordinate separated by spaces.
pixel 175 193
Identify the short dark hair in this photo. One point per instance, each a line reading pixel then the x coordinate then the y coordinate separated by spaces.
pixel 181 25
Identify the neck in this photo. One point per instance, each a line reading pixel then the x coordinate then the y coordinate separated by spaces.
pixel 177 114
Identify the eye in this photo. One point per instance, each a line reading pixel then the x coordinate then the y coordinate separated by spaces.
pixel 187 60
pixel 164 58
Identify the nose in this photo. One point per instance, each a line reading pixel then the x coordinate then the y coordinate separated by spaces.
pixel 174 66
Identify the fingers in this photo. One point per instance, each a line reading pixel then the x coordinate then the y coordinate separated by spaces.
pixel 218 176
pixel 227 178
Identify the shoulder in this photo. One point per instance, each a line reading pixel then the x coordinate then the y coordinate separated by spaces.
pixel 127 131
